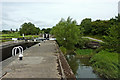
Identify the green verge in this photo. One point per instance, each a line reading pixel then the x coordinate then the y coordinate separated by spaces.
pixel 84 53
pixel 106 64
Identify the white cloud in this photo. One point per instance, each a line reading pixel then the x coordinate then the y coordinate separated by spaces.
pixel 47 13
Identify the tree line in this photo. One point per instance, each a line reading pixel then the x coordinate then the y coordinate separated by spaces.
pixel 69 34
pixel 9 31
pixel 27 29
pixel 99 27
pixel 30 29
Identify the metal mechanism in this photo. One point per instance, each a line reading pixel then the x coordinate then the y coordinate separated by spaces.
pixel 14 50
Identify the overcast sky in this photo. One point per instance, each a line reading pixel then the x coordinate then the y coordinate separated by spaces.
pixel 47 13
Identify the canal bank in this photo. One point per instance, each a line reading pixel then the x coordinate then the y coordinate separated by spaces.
pixel 66 69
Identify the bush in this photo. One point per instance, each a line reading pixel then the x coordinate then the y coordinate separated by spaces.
pixel 106 64
pixel 112 41
pixel 63 49
pixel 83 43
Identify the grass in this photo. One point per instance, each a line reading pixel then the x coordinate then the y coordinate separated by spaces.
pixel 83 51
pixel 106 64
pixel 29 36
pixel 15 35
pixel 11 35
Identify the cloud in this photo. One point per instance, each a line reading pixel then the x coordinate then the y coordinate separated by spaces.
pixel 8 19
pixel 47 13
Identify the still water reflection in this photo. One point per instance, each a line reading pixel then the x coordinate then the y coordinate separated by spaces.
pixel 80 67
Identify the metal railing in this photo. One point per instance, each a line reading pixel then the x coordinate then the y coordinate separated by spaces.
pixel 14 50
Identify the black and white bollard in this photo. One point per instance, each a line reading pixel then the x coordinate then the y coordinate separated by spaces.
pixel 20 56
pixel 39 44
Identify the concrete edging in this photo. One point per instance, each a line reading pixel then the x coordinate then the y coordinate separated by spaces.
pixel 65 68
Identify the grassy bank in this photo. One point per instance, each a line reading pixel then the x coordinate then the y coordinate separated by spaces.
pixel 84 53
pixel 106 64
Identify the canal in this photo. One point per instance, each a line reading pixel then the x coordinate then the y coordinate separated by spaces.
pixel 81 67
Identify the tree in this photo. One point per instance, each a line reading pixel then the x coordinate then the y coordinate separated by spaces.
pixel 86 24
pixel 6 31
pixel 11 30
pixel 16 30
pixel 100 27
pixel 112 41
pixel 118 18
pixel 37 31
pixel 29 29
pixel 46 30
pixel 67 33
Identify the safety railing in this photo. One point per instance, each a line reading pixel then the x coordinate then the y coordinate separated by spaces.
pixel 14 50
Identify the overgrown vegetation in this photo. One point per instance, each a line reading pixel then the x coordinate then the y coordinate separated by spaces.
pixel 105 58
pixel 112 41
pixel 63 49
pixel 106 64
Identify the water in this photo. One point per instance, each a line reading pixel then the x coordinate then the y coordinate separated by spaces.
pixel 80 67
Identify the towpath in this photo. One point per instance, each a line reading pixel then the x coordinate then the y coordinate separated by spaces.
pixel 38 62
pixel 93 39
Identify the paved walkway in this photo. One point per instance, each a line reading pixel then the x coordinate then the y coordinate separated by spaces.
pixel 38 62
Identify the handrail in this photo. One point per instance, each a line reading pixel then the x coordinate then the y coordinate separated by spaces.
pixel 20 48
